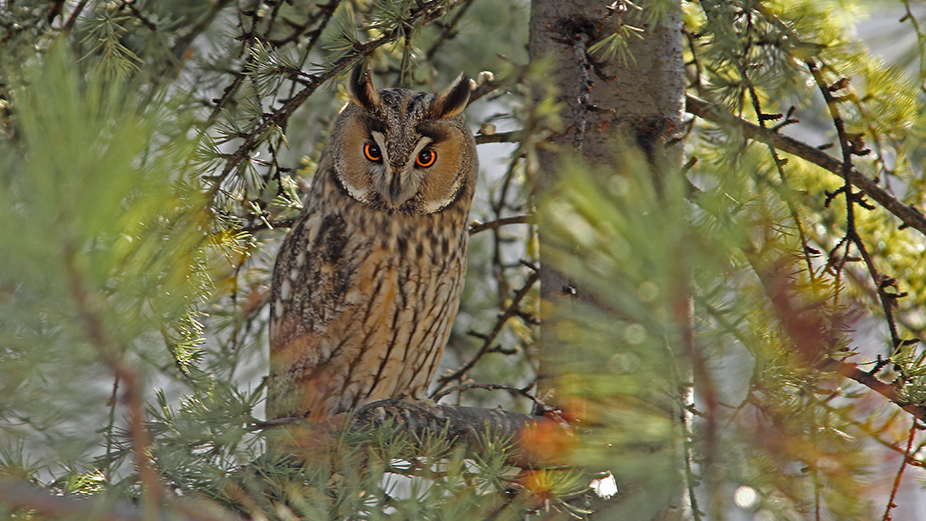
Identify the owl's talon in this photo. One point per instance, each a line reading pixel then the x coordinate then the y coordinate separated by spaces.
pixel 432 407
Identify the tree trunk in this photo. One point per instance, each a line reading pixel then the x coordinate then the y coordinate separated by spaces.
pixel 643 98
pixel 639 100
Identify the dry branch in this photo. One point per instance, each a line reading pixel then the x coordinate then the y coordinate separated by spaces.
pixel 512 310
pixel 477 226
pixel 499 137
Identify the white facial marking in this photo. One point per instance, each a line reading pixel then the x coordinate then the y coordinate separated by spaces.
pixel 356 193
pixel 284 289
pixel 433 206
pixel 380 139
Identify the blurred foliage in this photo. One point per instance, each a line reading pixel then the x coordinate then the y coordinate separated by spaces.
pixel 153 153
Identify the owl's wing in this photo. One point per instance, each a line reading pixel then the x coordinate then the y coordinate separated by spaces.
pixel 309 282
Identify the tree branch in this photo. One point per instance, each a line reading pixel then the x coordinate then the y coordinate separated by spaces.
pixel 483 89
pixel 477 226
pixel 510 311
pixel 851 371
pixel 448 31
pixel 500 137
pixel 492 387
pixel 899 475
pixel 910 216
pixel 468 426
pixel 533 438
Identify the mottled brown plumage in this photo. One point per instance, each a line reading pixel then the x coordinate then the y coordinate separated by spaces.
pixel 368 280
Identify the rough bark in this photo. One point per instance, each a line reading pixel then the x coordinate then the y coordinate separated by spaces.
pixel 639 101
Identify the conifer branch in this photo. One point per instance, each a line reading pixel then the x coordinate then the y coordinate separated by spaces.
pixel 910 216
pixel 469 426
pixel 899 475
pixel 889 391
pixel 24 496
pixel 851 146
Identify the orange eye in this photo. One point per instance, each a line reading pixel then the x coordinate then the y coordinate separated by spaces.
pixel 426 157
pixel 372 152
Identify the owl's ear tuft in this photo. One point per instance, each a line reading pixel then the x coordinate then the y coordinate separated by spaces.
pixel 361 89
pixel 452 100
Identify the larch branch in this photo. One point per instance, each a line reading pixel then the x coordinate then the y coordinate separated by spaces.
pixel 851 371
pixel 909 215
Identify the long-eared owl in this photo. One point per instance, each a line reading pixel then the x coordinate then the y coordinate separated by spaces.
pixel 368 280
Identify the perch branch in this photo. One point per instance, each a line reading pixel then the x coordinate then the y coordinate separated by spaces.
pixel 468 426
pixel 463 426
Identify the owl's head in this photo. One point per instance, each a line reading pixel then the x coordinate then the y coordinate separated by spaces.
pixel 405 151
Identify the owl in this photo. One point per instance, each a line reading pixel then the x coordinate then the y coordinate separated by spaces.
pixel 368 280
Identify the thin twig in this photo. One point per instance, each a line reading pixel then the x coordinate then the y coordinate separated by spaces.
pixel 491 387
pixel 763 120
pixel 111 423
pixel 500 137
pixel 477 226
pixel 849 148
pixel 448 32
pixel 139 15
pixel 74 14
pixel 265 225
pixel 872 433
pixel 903 465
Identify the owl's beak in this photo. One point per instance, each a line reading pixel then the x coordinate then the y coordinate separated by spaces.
pixel 395 187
